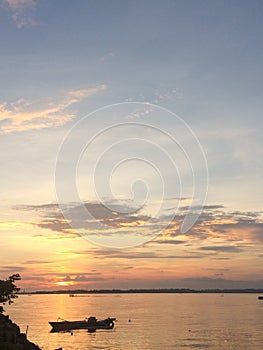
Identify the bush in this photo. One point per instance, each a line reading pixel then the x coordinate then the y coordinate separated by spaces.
pixel 8 289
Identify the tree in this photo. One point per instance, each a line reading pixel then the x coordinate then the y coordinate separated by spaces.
pixel 8 289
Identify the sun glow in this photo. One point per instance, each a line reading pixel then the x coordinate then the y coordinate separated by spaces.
pixel 64 283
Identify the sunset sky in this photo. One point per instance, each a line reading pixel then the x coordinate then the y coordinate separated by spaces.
pixel 131 143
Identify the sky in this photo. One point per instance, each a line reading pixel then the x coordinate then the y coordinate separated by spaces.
pixel 131 144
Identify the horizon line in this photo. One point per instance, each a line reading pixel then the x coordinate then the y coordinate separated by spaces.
pixel 144 290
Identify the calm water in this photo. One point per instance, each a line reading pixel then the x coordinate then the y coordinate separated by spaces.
pixel 158 321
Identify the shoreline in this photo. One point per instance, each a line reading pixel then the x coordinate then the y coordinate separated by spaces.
pixel 11 338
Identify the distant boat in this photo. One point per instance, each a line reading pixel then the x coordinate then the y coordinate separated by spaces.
pixel 91 324
pixel 260 297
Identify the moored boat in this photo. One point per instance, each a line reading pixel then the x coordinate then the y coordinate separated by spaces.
pixel 90 323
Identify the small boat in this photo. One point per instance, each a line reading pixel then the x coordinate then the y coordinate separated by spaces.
pixel 91 324
pixel 260 297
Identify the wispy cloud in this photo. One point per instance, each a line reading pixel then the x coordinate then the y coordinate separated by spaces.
pixel 107 56
pixel 6 270
pixel 84 93
pixel 36 262
pixel 141 112
pixel 22 12
pixel 148 108
pixel 156 98
pixel 220 248
pixel 167 95
pixel 24 115
pixel 132 254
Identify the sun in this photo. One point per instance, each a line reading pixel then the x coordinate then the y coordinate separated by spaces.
pixel 64 283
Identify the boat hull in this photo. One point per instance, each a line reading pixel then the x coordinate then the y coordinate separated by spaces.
pixel 90 324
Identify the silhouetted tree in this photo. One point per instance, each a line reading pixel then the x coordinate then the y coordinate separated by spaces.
pixel 8 289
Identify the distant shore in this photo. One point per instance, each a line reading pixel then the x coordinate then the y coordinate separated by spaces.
pixel 150 291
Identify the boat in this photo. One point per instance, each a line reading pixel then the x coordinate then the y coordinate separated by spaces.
pixel 91 324
pixel 260 297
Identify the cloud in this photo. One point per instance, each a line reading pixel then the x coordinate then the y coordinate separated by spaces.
pixel 40 207
pixel 36 278
pixel 22 12
pixel 167 95
pixel 107 56
pixel 204 207
pixel 116 218
pixel 8 270
pixel 143 111
pixel 156 98
pixel 202 282
pixel 33 262
pixel 83 278
pixel 131 255
pixel 23 115
pixel 216 232
pixel 168 241
pixel 17 4
pixel 227 249
pixel 84 93
pixel 215 283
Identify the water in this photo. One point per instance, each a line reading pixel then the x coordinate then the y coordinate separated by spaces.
pixel 158 321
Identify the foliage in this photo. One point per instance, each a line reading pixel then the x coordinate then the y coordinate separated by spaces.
pixel 8 289
pixel 7 346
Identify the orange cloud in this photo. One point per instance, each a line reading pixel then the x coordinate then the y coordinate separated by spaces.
pixel 22 116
